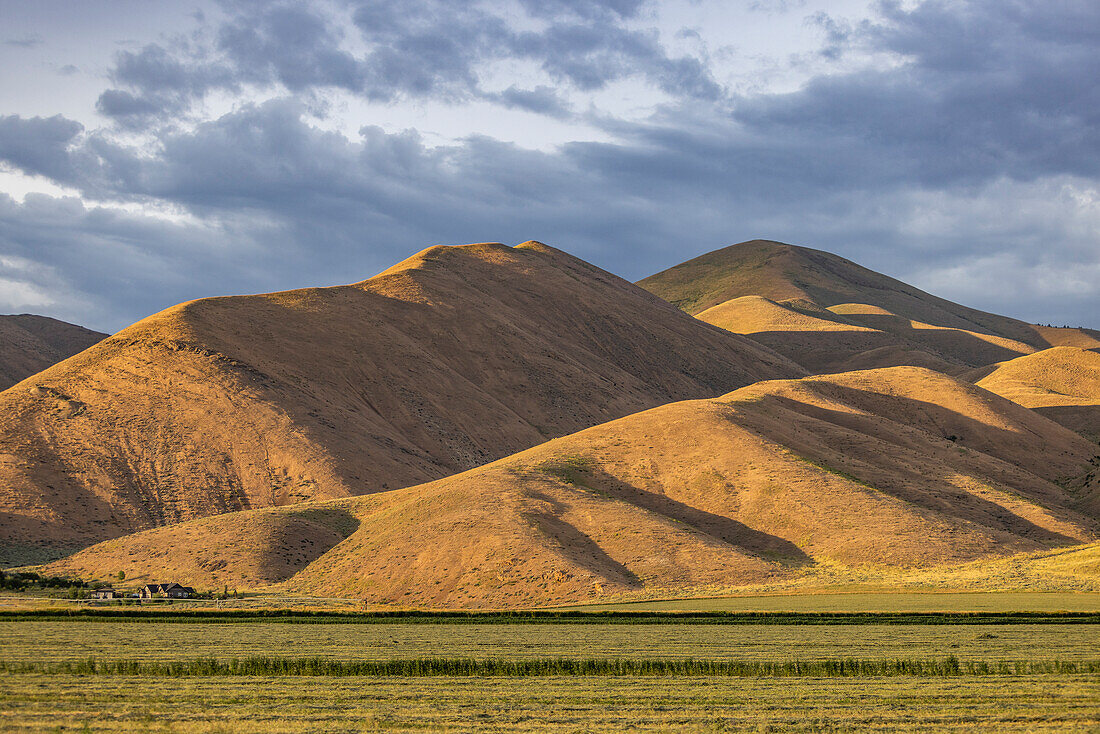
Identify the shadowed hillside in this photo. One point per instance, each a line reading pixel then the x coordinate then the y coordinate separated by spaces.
pixel 30 344
pixel 455 357
pixel 1062 384
pixel 898 324
pixel 899 468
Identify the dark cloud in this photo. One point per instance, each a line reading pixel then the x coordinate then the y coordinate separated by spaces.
pixel 978 95
pixel 590 9
pixel 289 44
pixel 26 42
pixel 163 83
pixel 542 100
pixel 122 104
pixel 39 145
pixel 773 7
pixel 589 56
pixel 427 47
pixel 154 69
pixel 101 266
pixel 413 48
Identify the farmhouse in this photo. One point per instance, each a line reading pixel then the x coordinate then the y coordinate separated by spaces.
pixel 172 591
pixel 105 593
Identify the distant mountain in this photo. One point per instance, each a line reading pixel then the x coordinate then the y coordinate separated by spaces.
pixel 30 344
pixel 763 289
pixel 450 359
pixel 1061 383
pixel 886 470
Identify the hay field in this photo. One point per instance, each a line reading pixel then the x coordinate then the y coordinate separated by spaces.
pixel 869 602
pixel 56 698
pixel 38 703
pixel 51 642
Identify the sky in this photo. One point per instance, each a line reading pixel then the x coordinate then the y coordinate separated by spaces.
pixel 156 152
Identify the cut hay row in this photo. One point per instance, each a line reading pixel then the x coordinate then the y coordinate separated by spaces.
pixel 550 617
pixel 427 667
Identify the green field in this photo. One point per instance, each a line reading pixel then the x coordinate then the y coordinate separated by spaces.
pixel 37 703
pixel 870 602
pixel 109 640
pixel 71 693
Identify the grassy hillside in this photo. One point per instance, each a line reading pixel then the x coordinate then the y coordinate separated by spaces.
pixel 906 325
pixel 450 359
pixel 1062 384
pixel 30 344
pixel 900 468
pixel 827 340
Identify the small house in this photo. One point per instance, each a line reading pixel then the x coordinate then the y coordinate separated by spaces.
pixel 106 593
pixel 172 591
pixel 176 591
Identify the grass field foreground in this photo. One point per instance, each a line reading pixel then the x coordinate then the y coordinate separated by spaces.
pixel 1008 601
pixel 205 677
pixel 112 640
pixel 281 705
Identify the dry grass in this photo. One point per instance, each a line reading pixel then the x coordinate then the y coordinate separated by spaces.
pixel 871 477
pixel 1062 384
pixel 35 703
pixel 30 344
pixel 855 600
pixel 831 315
pixel 782 272
pixel 56 642
pixel 455 357
pixel 852 336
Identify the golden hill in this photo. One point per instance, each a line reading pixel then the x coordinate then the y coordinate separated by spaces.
pixel 455 357
pixel 30 344
pixel 901 324
pixel 1062 383
pixel 900 468
pixel 820 339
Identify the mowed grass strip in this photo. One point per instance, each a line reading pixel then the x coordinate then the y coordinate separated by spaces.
pixel 166 614
pixel 425 667
pixel 282 705
pixel 938 602
pixel 78 640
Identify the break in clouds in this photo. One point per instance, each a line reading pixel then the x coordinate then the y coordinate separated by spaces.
pixel 954 145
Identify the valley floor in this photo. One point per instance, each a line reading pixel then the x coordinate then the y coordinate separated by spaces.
pixel 58 642
pixel 1041 703
pixel 863 601
pixel 49 685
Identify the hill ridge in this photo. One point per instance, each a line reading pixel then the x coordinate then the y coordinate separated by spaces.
pixel 457 356
pixel 770 483
pixel 914 327
pixel 30 343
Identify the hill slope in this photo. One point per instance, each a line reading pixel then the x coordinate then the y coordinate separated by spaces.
pixel 1062 383
pixel 455 357
pixel 898 468
pixel 820 339
pixel 30 344
pixel 909 326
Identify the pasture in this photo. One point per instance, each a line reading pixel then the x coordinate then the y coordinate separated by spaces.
pixel 1010 601
pixel 112 640
pixel 189 676
pixel 278 705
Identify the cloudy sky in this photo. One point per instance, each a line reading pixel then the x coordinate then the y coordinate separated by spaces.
pixel 154 152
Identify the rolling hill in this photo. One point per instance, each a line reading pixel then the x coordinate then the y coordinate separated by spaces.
pixel 885 322
pixel 453 358
pixel 900 468
pixel 1061 383
pixel 30 344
